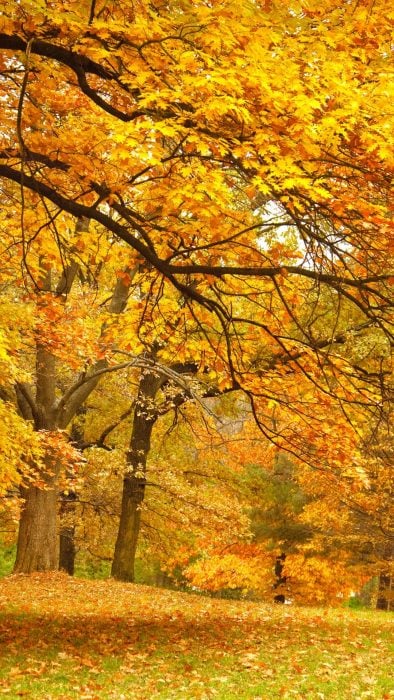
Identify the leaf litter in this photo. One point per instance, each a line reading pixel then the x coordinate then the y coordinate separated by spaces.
pixel 69 638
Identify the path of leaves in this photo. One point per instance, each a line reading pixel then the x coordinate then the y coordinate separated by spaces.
pixel 68 638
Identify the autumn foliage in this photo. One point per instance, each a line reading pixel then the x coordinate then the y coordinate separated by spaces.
pixel 197 204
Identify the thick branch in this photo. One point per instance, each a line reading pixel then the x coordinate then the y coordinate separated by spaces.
pixel 25 401
pixel 47 49
pixel 170 271
pixel 80 64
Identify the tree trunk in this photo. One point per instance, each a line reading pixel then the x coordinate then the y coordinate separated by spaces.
pixel 280 579
pixel 67 549
pixel 37 545
pixel 134 482
pixel 129 528
pixel 68 504
pixel 37 537
pixel 385 592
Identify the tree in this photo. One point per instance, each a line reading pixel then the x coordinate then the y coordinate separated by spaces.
pixel 331 187
pixel 144 418
pixel 37 538
pixel 190 488
pixel 198 496
pixel 49 352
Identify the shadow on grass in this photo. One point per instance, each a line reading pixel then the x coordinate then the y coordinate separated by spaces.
pixel 28 633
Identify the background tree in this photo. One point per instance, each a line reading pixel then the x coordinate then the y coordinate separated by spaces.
pixel 190 487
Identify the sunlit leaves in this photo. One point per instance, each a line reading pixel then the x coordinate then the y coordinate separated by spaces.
pixel 234 163
pixel 14 433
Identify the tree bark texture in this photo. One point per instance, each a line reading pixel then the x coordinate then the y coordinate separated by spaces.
pixel 68 505
pixel 145 416
pixel 385 592
pixel 37 537
pixel 37 545
pixel 67 549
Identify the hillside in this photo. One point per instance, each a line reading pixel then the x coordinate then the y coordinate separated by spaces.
pixel 71 638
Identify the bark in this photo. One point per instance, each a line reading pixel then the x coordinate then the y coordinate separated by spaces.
pixel 67 548
pixel 68 505
pixel 129 529
pixel 280 579
pixel 37 537
pixel 134 481
pixel 385 592
pixel 37 545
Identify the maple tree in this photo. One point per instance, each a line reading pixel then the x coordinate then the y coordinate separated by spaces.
pixel 354 518
pixel 242 153
pixel 188 484
pixel 48 394
pixel 292 551
pixel 330 529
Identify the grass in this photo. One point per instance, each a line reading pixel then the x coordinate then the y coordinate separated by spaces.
pixel 69 638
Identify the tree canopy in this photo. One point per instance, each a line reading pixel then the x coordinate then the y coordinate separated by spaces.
pixel 201 191
pixel 204 137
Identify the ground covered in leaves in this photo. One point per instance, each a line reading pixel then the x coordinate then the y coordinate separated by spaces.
pixel 69 638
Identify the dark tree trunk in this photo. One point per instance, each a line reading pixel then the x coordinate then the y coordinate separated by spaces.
pixel 68 504
pixel 134 481
pixel 67 549
pixel 385 592
pixel 129 528
pixel 280 579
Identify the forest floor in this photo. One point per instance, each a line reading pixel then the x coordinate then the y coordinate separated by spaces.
pixel 72 638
